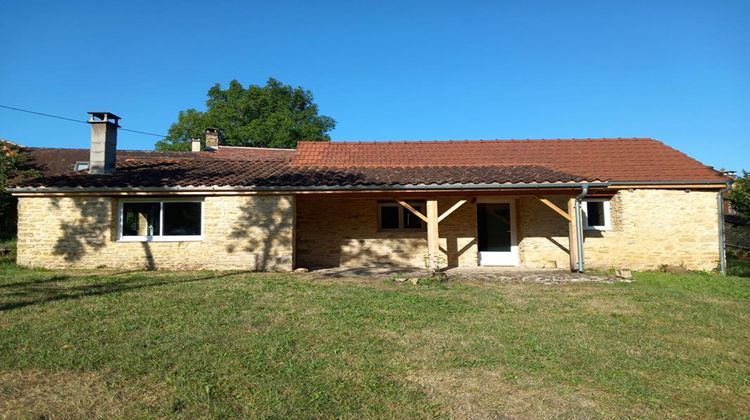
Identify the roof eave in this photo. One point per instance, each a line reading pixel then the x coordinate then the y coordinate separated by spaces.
pixel 428 187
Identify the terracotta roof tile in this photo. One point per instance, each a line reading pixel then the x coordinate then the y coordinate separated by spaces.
pixel 626 159
pixel 385 164
pixel 57 161
pixel 150 173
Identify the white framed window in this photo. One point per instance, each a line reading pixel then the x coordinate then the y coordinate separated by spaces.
pixel 81 166
pixel 394 217
pixel 173 219
pixel 596 214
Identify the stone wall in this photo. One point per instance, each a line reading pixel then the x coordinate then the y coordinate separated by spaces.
pixel 542 233
pixel 344 232
pixel 650 227
pixel 240 232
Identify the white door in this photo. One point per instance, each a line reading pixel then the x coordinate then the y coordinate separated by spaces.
pixel 496 234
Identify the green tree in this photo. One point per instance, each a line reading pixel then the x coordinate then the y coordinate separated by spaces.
pixel 13 169
pixel 740 195
pixel 274 115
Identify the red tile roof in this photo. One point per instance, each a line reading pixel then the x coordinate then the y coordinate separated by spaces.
pixel 392 164
pixel 251 153
pixel 626 159
pixel 51 161
pixel 153 173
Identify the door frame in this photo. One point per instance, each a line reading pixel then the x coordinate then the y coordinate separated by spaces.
pixel 510 259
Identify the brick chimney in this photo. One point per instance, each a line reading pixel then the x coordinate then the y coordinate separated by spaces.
pixel 195 145
pixel 103 151
pixel 212 138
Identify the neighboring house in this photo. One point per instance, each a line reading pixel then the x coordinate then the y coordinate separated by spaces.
pixel 579 203
pixel 51 161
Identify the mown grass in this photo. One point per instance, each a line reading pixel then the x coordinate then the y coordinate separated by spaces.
pixel 151 344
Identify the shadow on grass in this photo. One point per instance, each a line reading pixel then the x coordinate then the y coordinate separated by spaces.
pixel 40 292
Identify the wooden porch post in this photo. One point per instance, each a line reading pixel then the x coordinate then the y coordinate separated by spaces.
pixel 572 234
pixel 433 236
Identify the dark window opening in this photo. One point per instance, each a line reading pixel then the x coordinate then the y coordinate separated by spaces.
pixel 182 219
pixel 389 217
pixel 140 219
pixel 596 215
pixel 393 216
pixel 493 227
pixel 411 220
pixel 155 219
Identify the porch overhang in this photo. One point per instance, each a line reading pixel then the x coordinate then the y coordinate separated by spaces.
pixel 507 188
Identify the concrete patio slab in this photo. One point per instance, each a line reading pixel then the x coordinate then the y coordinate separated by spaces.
pixel 509 274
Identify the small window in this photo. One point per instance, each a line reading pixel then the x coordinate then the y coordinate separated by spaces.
pixel 389 216
pixel 161 220
pixel 81 166
pixel 393 216
pixel 411 220
pixel 596 214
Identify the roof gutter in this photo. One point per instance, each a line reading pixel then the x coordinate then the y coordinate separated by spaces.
pixel 430 187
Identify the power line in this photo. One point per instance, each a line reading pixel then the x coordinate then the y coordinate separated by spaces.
pixel 74 120
pixel 143 132
pixel 43 114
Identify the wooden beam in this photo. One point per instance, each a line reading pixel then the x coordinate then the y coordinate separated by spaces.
pixel 558 210
pixel 572 234
pixel 433 236
pixel 451 210
pixel 413 210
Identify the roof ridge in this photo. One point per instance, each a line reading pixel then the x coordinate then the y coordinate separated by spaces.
pixel 259 148
pixel 213 160
pixel 412 141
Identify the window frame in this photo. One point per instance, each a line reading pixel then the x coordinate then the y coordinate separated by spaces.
pixel 401 219
pixel 76 166
pixel 606 212
pixel 159 238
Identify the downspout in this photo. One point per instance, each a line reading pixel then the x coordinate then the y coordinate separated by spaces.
pixel 722 252
pixel 579 226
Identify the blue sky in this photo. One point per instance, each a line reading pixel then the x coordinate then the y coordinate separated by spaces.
pixel 678 71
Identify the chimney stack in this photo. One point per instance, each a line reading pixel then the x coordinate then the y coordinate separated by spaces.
pixel 196 145
pixel 103 151
pixel 212 138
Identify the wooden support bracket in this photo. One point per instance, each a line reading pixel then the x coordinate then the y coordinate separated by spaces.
pixel 451 210
pixel 557 210
pixel 413 210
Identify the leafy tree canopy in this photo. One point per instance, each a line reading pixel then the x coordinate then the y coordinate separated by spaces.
pixel 13 168
pixel 740 195
pixel 274 115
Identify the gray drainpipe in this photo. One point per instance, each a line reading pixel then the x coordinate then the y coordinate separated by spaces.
pixel 579 226
pixel 722 252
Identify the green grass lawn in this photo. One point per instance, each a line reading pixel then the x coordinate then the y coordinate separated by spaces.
pixel 197 344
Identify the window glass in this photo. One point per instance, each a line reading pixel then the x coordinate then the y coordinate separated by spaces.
pixel 140 219
pixel 182 218
pixel 595 213
pixel 81 166
pixel 493 227
pixel 389 217
pixel 411 221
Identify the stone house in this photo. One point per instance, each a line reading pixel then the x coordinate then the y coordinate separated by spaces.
pixel 566 203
